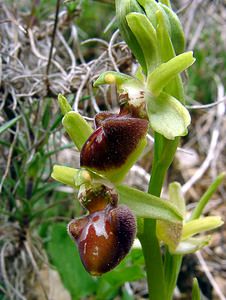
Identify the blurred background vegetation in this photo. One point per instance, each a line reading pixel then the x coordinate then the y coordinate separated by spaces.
pixel 37 258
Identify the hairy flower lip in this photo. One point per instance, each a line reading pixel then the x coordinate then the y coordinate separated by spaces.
pixel 104 237
pixel 110 145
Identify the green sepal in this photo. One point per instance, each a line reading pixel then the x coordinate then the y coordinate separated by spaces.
pixel 123 8
pixel 65 175
pixel 148 206
pixel 146 36
pixel 164 73
pixel 64 104
pixel 196 295
pixel 77 128
pixel 167 115
pixel 200 225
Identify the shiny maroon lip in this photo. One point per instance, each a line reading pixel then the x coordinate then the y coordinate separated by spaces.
pixel 111 144
pixel 103 238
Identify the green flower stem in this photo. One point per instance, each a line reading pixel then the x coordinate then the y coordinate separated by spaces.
pixel 148 238
pixel 172 265
pixel 153 261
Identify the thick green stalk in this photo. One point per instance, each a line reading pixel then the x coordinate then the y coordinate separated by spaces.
pixel 148 239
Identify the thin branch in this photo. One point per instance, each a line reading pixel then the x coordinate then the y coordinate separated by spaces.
pixel 114 36
pixel 53 37
pixel 204 106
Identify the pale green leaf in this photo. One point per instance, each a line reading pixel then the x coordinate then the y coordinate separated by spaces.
pixel 145 205
pixel 168 232
pixel 150 8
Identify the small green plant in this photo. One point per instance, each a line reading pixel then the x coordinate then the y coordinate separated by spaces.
pixel 153 99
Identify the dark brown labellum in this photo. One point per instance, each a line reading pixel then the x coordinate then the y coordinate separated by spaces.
pixel 104 237
pixel 111 144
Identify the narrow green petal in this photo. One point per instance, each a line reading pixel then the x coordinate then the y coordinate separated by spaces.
pixel 200 225
pixel 64 174
pixel 163 74
pixel 64 105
